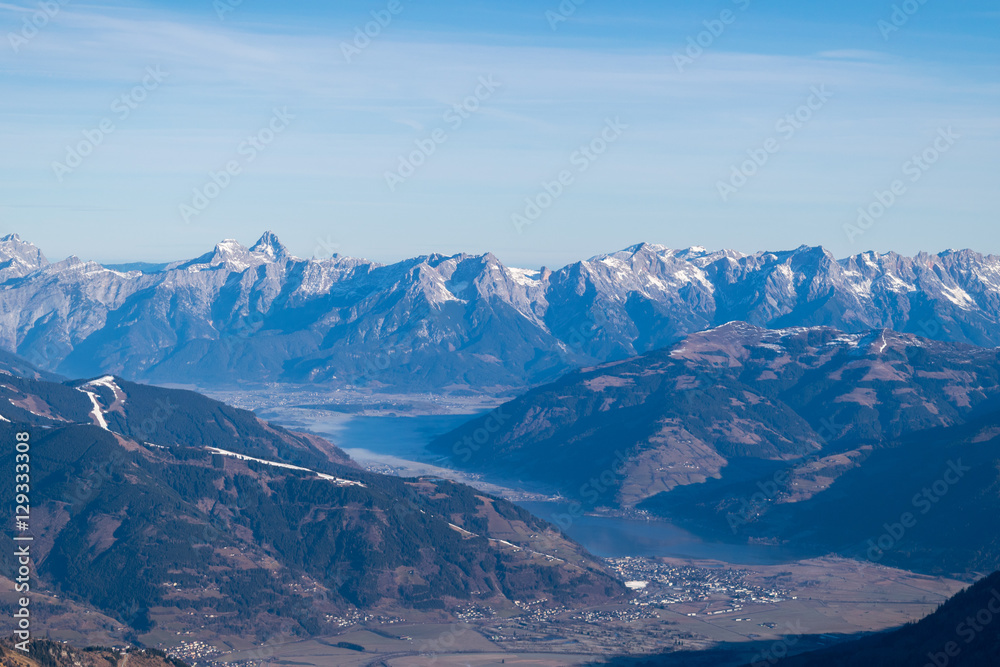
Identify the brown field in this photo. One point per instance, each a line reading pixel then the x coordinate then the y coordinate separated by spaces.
pixel 835 598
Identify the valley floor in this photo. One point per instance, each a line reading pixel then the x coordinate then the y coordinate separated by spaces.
pixel 685 606
pixel 733 612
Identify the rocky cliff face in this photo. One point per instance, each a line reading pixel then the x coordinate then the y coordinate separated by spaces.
pixel 261 314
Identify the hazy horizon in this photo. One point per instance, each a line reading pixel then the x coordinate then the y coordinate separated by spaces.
pixel 323 251
pixel 673 98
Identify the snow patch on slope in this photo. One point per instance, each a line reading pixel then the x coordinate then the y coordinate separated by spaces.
pixel 243 457
pixel 108 382
pixel 96 413
pixel 959 297
pixel 525 277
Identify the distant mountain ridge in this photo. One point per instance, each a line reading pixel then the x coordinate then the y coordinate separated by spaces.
pixel 460 322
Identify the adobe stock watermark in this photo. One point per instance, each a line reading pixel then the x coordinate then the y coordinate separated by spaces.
pixel 924 501
pixel 86 487
pixel 900 16
pixel 968 630
pixel 223 7
pixel 455 117
pixel 779 650
pixel 122 107
pixel 243 331
pixel 363 35
pixel 913 169
pixel 579 336
pixel 247 151
pixel 581 160
pixel 445 642
pixel 470 444
pixel 771 489
pixel 326 248
pixel 380 361
pixel 489 426
pixel 34 22
pixel 591 492
pixel 714 29
pixel 562 13
pixel 787 127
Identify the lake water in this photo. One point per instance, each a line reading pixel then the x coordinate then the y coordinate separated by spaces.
pixel 388 439
pixel 611 537
pixel 402 437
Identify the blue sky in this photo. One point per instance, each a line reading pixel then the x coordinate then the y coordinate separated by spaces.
pixel 665 175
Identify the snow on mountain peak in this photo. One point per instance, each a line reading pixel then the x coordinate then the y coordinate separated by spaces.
pixel 269 246
pixel 526 277
pixel 230 247
pixel 624 302
pixel 20 256
pixel 646 247
pixel 237 257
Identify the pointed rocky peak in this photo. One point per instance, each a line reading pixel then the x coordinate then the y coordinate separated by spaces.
pixel 230 253
pixel 780 256
pixel 802 254
pixel 235 256
pixel 640 256
pixel 702 257
pixel 70 262
pixel 21 253
pixel 490 259
pixel 813 258
pixel 869 262
pixel 965 258
pixel 444 263
pixel 963 252
pixel 269 246
pixel 646 248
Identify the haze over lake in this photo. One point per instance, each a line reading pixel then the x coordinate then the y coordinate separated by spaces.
pixel 398 439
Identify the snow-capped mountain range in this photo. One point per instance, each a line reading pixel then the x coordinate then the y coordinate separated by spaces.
pixel 460 322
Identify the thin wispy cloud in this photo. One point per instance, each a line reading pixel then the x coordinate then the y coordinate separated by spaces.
pixel 354 121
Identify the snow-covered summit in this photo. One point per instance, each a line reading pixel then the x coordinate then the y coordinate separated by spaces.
pixel 18 258
pixel 261 314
